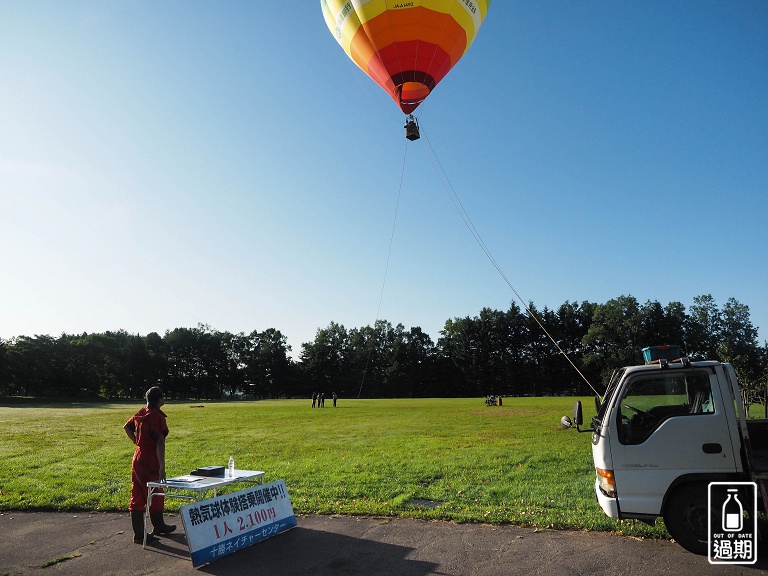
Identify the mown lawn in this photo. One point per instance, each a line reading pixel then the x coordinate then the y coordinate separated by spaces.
pixel 452 459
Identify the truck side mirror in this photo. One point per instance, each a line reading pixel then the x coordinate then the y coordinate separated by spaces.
pixel 578 416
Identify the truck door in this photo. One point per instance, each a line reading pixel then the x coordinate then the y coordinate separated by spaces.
pixel 669 423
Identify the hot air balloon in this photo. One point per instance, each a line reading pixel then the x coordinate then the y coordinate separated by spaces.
pixel 406 46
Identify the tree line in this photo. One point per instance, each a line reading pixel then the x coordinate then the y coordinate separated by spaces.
pixel 496 352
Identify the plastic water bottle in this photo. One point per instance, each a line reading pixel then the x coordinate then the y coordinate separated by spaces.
pixel 231 467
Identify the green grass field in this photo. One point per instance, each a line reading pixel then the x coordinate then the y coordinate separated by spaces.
pixel 451 459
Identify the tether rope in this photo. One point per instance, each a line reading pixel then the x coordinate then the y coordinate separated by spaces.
pixel 454 198
pixel 386 267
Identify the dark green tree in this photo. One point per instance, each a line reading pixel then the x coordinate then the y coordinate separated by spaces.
pixel 5 375
pixel 615 337
pixel 268 365
pixel 324 360
pixel 703 328
pixel 34 366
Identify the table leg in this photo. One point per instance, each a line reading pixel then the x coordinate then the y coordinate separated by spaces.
pixel 150 492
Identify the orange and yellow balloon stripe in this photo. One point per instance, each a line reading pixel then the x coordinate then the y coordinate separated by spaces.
pixel 405 46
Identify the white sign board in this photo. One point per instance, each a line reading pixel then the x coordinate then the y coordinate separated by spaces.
pixel 228 523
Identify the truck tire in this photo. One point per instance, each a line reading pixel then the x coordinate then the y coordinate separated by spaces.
pixel 686 516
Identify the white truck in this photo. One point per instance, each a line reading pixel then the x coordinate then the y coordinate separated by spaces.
pixel 663 432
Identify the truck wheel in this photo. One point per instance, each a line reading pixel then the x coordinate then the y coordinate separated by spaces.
pixel 686 516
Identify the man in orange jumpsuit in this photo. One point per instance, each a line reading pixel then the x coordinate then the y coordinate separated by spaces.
pixel 148 429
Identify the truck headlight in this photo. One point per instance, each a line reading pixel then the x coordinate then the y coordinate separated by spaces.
pixel 607 482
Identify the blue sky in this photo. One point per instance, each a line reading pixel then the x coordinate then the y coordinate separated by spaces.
pixel 164 164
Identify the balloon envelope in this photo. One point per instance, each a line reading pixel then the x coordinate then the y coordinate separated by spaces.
pixel 406 47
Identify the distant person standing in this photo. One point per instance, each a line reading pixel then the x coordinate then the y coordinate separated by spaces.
pixel 314 398
pixel 335 397
pixel 147 429
pixel 321 402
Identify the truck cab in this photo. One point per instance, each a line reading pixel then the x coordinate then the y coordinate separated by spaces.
pixel 663 432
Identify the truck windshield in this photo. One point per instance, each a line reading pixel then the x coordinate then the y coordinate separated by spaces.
pixel 650 399
pixel 609 391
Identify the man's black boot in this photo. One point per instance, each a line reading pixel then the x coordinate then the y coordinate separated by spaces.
pixel 159 525
pixel 137 521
